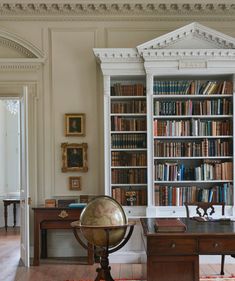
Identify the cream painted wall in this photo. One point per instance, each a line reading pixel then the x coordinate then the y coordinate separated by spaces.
pixel 71 82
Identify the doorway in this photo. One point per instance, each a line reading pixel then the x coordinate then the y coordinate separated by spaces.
pixel 10 181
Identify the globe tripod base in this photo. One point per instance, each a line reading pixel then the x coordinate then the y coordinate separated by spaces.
pixel 104 274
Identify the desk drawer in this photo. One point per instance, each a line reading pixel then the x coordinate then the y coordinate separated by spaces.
pixel 172 246
pixel 217 246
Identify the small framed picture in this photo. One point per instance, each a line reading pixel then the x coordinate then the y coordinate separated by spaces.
pixel 74 157
pixel 75 183
pixel 75 124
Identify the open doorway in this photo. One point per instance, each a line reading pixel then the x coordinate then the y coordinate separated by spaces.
pixel 10 180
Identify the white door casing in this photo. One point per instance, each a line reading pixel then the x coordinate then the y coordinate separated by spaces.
pixel 24 178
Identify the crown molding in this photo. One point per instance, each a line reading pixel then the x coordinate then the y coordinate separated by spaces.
pixel 117 10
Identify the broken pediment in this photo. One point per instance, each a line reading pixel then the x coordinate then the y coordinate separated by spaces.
pixel 191 36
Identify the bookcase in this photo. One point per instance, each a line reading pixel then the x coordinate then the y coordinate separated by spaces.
pixel 192 140
pixel 169 121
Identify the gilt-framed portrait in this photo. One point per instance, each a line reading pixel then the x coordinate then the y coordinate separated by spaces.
pixel 74 157
pixel 74 124
pixel 75 183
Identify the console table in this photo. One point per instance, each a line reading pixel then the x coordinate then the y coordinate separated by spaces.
pixel 175 256
pixel 54 218
pixel 6 203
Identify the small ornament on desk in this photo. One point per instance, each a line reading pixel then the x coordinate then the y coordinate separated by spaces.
pixel 131 197
pixel 50 203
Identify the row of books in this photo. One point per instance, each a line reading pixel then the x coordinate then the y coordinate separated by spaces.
pixel 128 141
pixel 199 148
pixel 189 107
pixel 192 127
pixel 130 197
pixel 119 123
pixel 129 106
pixel 129 176
pixel 206 171
pixel 119 89
pixel 189 87
pixel 176 196
pixel 124 158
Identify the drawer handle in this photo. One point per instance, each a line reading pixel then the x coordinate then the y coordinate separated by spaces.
pixel 63 214
pixel 173 245
pixel 216 245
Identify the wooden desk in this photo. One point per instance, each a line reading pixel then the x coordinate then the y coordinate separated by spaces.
pixel 175 256
pixel 53 218
pixel 8 202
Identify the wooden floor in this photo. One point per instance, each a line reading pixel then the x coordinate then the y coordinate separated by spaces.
pixel 10 270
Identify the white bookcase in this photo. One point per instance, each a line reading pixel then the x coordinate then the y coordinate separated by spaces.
pixel 188 141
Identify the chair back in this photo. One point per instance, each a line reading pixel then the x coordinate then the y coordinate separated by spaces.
pixel 204 209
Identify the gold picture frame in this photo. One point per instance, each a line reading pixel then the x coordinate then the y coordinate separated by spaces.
pixel 74 124
pixel 75 183
pixel 74 157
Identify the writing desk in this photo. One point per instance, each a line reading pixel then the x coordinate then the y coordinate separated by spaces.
pixel 54 218
pixel 175 256
pixel 6 203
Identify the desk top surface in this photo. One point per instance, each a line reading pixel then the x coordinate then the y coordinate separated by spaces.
pixel 194 228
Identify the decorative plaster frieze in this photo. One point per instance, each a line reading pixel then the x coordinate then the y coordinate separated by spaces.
pixel 117 55
pixel 19 67
pixel 97 9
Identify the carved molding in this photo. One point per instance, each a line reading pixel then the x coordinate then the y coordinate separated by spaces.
pixel 168 53
pixel 96 10
pixel 19 48
pixel 117 55
pixel 19 67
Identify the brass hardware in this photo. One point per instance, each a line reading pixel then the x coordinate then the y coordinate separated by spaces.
pixel 29 201
pixel 173 245
pixel 63 214
pixel 216 245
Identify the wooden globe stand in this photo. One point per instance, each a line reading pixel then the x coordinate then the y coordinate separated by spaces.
pixel 103 272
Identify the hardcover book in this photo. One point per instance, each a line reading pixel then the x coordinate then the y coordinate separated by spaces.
pixel 169 225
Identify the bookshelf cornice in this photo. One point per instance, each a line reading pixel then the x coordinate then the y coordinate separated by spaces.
pixel 117 55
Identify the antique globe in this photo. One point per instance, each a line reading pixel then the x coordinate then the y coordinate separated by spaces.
pixel 100 212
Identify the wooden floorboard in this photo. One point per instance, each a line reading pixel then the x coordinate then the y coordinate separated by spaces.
pixel 58 270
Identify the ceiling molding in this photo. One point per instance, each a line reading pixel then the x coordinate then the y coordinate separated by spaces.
pixel 117 10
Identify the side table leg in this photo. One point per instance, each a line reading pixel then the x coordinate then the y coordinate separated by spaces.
pixel 5 215
pixel 14 214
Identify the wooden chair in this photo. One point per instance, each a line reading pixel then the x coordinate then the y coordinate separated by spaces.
pixel 205 209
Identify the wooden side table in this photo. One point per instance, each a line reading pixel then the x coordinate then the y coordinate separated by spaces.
pixel 6 203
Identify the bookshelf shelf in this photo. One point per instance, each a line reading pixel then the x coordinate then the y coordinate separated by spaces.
pixel 193 158
pixel 192 117
pixel 168 116
pixel 195 137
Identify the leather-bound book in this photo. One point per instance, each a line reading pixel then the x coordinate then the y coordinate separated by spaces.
pixel 169 225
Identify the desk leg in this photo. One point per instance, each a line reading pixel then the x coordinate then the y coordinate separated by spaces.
pixel 43 243
pixel 36 240
pixel 174 268
pixel 14 214
pixel 5 215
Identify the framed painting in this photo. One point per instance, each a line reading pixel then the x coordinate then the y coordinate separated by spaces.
pixel 75 183
pixel 74 157
pixel 75 124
